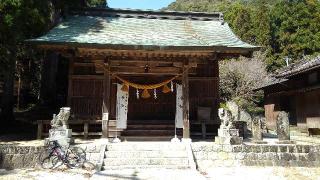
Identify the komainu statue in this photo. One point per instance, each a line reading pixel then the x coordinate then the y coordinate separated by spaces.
pixel 61 120
pixel 226 118
pixel 227 133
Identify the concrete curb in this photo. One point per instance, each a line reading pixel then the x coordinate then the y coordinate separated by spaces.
pixel 191 158
pixel 102 151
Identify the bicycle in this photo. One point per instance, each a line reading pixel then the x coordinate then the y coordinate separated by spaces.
pixel 72 157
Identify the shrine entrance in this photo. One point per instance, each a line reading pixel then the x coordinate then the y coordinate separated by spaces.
pixel 160 106
pixel 153 117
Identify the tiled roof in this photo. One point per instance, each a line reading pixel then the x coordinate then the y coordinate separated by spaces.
pixel 144 28
pixel 285 73
pixel 272 81
pixel 299 67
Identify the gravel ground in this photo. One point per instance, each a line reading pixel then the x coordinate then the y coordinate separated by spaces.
pixel 264 173
pixel 239 173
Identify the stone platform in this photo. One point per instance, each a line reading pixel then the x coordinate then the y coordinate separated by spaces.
pixel 25 154
pixel 171 155
pixel 209 155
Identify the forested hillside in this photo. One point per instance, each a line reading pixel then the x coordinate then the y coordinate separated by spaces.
pixel 282 27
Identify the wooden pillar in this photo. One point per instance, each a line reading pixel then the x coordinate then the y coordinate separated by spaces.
pixel 71 70
pixel 86 129
pixel 185 96
pixel 48 78
pixel 106 102
pixel 40 129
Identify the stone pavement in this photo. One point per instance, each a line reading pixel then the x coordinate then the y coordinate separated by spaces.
pixel 239 173
pixel 154 174
pixel 263 173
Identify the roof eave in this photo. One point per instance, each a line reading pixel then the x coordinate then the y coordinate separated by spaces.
pixel 288 75
pixel 218 49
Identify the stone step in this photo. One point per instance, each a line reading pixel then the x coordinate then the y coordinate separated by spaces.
pixel 145 167
pixel 148 132
pixel 150 122
pixel 145 161
pixel 150 127
pixel 148 138
pixel 146 154
pixel 142 146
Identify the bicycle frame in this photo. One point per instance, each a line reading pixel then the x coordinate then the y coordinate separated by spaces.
pixel 57 151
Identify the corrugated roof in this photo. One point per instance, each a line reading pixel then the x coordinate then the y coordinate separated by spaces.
pixel 144 28
pixel 299 67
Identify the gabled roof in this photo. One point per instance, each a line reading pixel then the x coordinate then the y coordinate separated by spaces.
pixel 299 67
pixel 284 74
pixel 144 29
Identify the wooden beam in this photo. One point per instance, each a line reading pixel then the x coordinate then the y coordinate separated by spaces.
pixel 86 77
pixel 146 74
pixel 185 96
pixel 128 69
pixel 170 56
pixel 203 78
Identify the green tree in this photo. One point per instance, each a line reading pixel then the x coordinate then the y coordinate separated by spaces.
pixel 19 20
pixel 295 28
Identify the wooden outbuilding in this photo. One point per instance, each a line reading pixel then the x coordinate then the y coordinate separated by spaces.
pixel 295 89
pixel 101 46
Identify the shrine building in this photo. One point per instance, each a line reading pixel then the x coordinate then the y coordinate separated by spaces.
pixel 140 74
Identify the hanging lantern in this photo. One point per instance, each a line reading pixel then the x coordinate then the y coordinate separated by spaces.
pixel 166 89
pixel 125 88
pixel 155 93
pixel 138 96
pixel 145 94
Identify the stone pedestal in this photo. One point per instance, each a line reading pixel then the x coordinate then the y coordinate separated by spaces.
pixel 243 128
pixel 175 139
pixel 283 126
pixel 228 136
pixel 62 135
pixel 257 131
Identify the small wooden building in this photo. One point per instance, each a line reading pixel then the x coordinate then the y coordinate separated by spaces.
pixel 144 47
pixel 295 89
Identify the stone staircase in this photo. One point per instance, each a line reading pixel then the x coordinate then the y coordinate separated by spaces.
pixel 149 130
pixel 135 155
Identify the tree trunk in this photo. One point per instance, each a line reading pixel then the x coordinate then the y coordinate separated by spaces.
pixel 7 101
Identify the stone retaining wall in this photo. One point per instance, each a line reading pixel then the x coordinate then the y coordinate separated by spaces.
pixel 212 155
pixel 13 156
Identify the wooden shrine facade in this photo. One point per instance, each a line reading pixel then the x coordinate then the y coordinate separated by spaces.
pixel 91 83
pixel 144 47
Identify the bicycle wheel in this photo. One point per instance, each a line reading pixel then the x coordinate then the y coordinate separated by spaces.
pixel 44 154
pixel 76 157
pixel 49 162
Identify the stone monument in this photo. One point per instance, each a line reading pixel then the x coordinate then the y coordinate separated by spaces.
pixel 283 128
pixel 59 128
pixel 256 129
pixel 227 133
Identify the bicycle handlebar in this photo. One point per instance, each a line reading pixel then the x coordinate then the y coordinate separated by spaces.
pixel 53 143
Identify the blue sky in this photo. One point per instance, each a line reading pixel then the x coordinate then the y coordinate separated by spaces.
pixel 139 4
